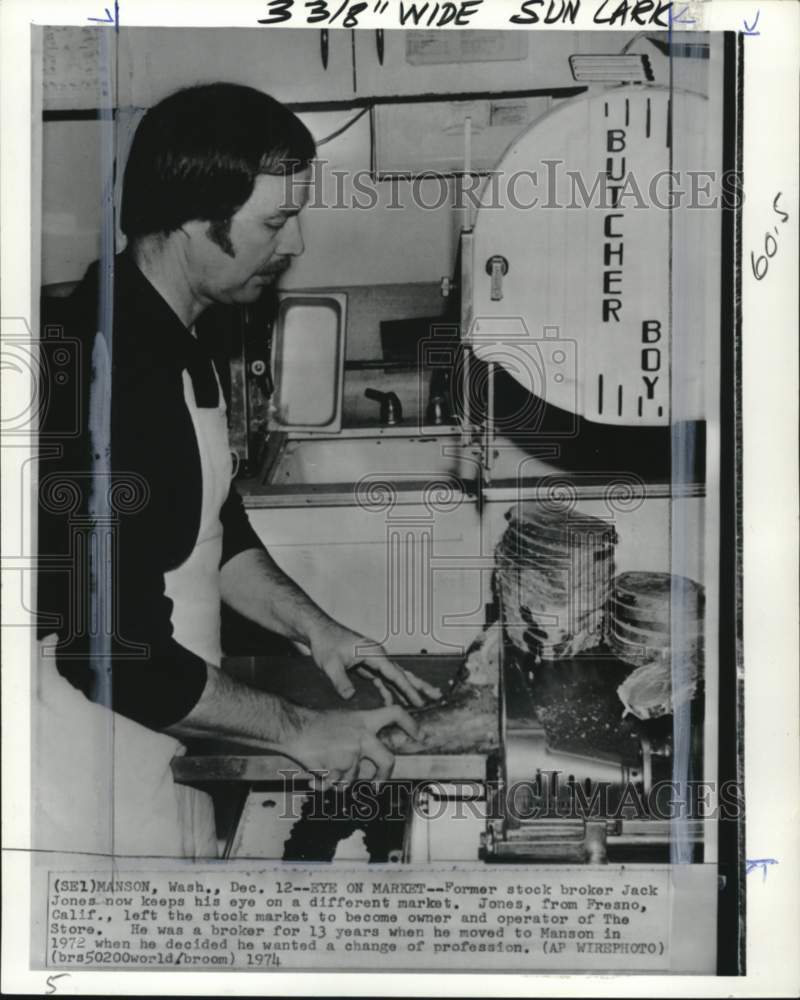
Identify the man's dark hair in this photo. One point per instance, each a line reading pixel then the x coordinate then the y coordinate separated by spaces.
pixel 197 153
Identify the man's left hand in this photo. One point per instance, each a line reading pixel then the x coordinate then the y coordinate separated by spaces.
pixel 337 650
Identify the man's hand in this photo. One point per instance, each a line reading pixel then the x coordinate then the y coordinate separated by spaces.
pixel 331 745
pixel 337 650
pixel 253 585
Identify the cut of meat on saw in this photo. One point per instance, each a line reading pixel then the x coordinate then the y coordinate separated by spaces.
pixel 553 572
pixel 656 623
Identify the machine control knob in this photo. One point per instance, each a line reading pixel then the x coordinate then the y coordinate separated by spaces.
pixel 259 370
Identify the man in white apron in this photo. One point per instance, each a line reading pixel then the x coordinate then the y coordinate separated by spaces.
pixel 215 180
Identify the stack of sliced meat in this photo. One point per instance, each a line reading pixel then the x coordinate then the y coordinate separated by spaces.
pixel 553 575
pixel 655 622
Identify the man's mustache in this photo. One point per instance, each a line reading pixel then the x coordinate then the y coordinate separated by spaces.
pixel 277 268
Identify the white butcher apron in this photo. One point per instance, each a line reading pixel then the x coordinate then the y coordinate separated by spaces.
pixel 193 587
pixel 103 783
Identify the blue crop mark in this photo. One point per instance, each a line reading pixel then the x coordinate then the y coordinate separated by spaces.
pixel 750 29
pixel 109 18
pixel 679 18
pixel 753 864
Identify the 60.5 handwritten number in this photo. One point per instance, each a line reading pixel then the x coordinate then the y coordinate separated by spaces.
pixel 760 263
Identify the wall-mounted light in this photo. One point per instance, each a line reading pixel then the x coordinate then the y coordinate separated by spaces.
pixel 625 68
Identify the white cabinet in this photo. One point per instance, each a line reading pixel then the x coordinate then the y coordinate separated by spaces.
pixel 286 63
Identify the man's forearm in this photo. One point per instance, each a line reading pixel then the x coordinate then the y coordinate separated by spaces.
pixel 255 586
pixel 329 745
pixel 228 708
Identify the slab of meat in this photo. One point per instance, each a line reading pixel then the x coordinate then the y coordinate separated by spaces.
pixel 468 723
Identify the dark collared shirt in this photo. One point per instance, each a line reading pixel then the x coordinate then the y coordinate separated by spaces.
pixel 155 499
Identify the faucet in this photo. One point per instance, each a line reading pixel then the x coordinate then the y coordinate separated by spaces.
pixel 439 404
pixel 391 410
pixel 435 411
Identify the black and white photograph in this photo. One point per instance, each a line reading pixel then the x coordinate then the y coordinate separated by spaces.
pixel 382 471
